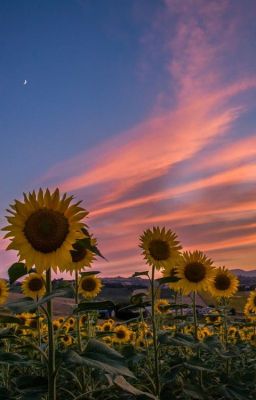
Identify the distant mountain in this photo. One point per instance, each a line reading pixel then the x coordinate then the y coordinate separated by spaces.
pixel 241 272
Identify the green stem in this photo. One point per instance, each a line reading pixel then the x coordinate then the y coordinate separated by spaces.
pixel 79 341
pixel 154 329
pixel 51 347
pixel 195 316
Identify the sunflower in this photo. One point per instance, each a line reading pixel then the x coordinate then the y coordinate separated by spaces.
pixel 171 272
pixel 89 286
pixel 122 334
pixel 81 257
pixel 43 229
pixel 67 340
pixel 162 306
pixel 33 286
pixel 213 318
pixel 225 284
pixel 251 302
pixel 106 326
pixel 4 291
pixel 195 271
pixel 141 342
pixel 160 247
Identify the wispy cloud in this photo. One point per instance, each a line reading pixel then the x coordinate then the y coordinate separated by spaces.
pixel 166 169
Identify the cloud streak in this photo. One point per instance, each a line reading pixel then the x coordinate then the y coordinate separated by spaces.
pixel 193 148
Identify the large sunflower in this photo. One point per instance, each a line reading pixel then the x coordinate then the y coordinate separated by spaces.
pixel 44 228
pixel 33 286
pixel 225 284
pixel 89 286
pixel 195 271
pixel 170 271
pixel 251 302
pixel 4 291
pixel 160 247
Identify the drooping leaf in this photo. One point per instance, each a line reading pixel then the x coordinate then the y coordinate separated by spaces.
pixel 94 305
pixel 141 273
pixel 122 383
pixel 16 271
pixel 167 279
pixel 10 319
pixel 99 355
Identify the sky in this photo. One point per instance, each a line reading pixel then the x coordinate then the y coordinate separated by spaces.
pixel 145 110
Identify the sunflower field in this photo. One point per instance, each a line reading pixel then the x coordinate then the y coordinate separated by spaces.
pixel 164 352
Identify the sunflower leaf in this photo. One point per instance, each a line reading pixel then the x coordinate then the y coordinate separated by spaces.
pixel 122 383
pixel 22 305
pixel 94 305
pixel 167 279
pixel 16 271
pixel 98 355
pixel 10 319
pixel 140 274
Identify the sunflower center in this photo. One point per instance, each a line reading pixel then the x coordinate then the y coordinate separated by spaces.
pixel 120 334
pixel 0 291
pixel 159 250
pixel 89 284
pixel 106 328
pixel 213 318
pixel 35 284
pixel 46 230
pixel 79 252
pixel 195 272
pixel 254 300
pixel 222 282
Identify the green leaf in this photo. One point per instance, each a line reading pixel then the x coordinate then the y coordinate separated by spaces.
pixel 31 387
pixel 22 305
pixel 122 383
pixel 140 274
pixel 167 279
pixel 87 273
pixel 94 305
pixel 10 319
pixel 198 366
pixel 13 359
pixel 16 271
pixel 183 340
pixel 54 293
pixel 99 355
pixel 194 391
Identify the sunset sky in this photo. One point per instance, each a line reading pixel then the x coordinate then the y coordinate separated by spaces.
pixel 143 109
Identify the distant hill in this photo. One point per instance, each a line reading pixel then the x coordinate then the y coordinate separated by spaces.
pixel 241 272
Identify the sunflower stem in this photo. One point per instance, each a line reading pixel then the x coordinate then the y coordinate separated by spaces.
pixel 154 329
pixel 195 316
pixel 51 347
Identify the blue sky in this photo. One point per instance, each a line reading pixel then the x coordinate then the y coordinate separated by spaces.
pixel 145 110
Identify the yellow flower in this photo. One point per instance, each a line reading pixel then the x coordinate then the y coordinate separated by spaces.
pixel 251 302
pixel 81 257
pixel 89 286
pixel 106 326
pixel 161 306
pixel 213 318
pixel 141 342
pixel 171 272
pixel 225 284
pixel 44 228
pixel 122 334
pixel 4 291
pixel 67 340
pixel 195 271
pixel 33 286
pixel 160 247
